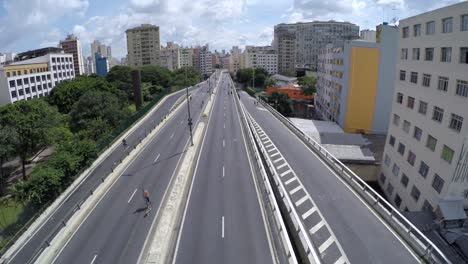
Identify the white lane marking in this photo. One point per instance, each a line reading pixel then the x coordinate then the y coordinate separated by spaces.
pixel 224 143
pixel 317 227
pixel 181 121
pixel 276 154
pixel 271 150
pixel 341 260
pixel 302 200
pixel 224 125
pixel 94 259
pixel 222 227
pixel 326 244
pixel 132 195
pixel 223 171
pixel 295 190
pixel 284 173
pixel 157 157
pixel 172 135
pixel 268 145
pixel 290 180
pixel 282 166
pixel 308 213
pixel 276 160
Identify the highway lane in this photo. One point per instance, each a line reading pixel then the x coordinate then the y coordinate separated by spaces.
pixel 116 229
pixel 28 251
pixel 363 237
pixel 223 221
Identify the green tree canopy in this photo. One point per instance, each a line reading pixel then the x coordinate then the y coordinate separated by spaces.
pixel 8 142
pixel 33 123
pixel 156 75
pixel 281 102
pixel 307 84
pixel 121 77
pixel 45 184
pixel 245 76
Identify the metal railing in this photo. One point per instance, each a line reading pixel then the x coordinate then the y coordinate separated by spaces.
pixel 405 229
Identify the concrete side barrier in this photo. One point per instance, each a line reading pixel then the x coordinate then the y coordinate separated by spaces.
pixel 418 242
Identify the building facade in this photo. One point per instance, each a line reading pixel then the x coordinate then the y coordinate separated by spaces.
pixel 34 78
pixel 260 57
pixel 368 35
pixel 355 83
pixel 202 60
pixel 186 57
pixel 170 56
pixel 426 153
pixel 143 45
pixel 72 45
pixel 298 44
pixel 102 65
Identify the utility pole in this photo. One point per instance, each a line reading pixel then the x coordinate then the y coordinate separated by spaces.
pixel 188 108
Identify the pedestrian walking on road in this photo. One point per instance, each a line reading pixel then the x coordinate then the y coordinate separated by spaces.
pixel 146 195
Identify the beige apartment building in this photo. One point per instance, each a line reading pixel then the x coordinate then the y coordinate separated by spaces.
pixel 143 45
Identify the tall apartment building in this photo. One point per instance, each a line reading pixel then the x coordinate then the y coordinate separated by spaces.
pixel 143 45
pixel 89 66
pixel 102 65
pixel 102 50
pixel 426 154
pixel 72 45
pixel 368 35
pixel 234 60
pixel 186 57
pixel 170 56
pixel 225 61
pixel 260 57
pixel 298 44
pixel 355 82
pixel 202 61
pixel 34 77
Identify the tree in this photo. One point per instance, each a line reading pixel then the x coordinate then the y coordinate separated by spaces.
pixel 67 93
pixel 156 75
pixel 245 76
pixel 66 162
pixel 45 184
pixel 270 82
pixel 184 77
pixel 121 77
pixel 280 102
pixel 97 112
pixel 32 122
pixel 8 142
pixel 307 84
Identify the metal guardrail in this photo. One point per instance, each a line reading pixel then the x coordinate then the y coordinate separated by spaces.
pixel 405 229
pixel 281 226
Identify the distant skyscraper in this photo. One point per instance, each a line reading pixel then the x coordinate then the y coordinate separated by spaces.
pixel 102 65
pixel 101 49
pixel 186 57
pixel 143 45
pixel 72 45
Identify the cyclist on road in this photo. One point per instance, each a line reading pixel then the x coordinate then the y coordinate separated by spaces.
pixel 147 198
pixel 124 142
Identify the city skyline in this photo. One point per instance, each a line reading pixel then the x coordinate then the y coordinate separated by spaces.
pixel 239 24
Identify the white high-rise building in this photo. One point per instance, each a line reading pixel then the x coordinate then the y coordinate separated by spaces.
pixel 426 153
pixel 260 57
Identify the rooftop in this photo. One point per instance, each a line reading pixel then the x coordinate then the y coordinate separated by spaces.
pixel 38 53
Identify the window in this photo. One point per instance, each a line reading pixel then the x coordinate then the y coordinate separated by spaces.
pixel 48 76
pixel 390 189
pixel 410 102
pixel 31 79
pixel 43 77
pixel 397 201
pixel 26 81
pixel 401 149
pixel 402 75
pixel 396 119
pixel 414 77
pixel 456 122
pixel 404 54
pixel 53 59
pixel 438 183
pixel 443 84
pixel 8 74
pixel 438 114
pixel 12 83
pixel 33 89
pixel 447 154
pixel 13 94
pixel 429 54
pixel 49 85
pixel 27 90
pixel 464 55
pixel 415 53
pixel 382 178
pixel 404 180
pixel 417 133
pixel 464 23
pixel 411 158
pixel 387 160
pixel 415 193
pixel 19 82
pixel 406 126
pixel 446 54
pixel 395 170
pixel 21 92
pixel 423 169
pixel 427 207
pixel 422 107
pixel 399 98
pixel 39 87
pixel 417 30
pixel 426 80
pixel 405 32
pixel 462 88
pixel 430 28
pixel 447 24
pixel 391 141
pixel 431 142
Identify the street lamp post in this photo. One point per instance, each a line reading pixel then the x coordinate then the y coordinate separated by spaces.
pixel 188 108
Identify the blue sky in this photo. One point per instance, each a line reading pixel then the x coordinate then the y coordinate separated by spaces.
pixel 30 24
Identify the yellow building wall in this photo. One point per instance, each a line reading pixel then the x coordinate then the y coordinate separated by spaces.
pixel 29 68
pixel 362 89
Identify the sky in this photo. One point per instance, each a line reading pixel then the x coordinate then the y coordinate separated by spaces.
pixel 31 24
